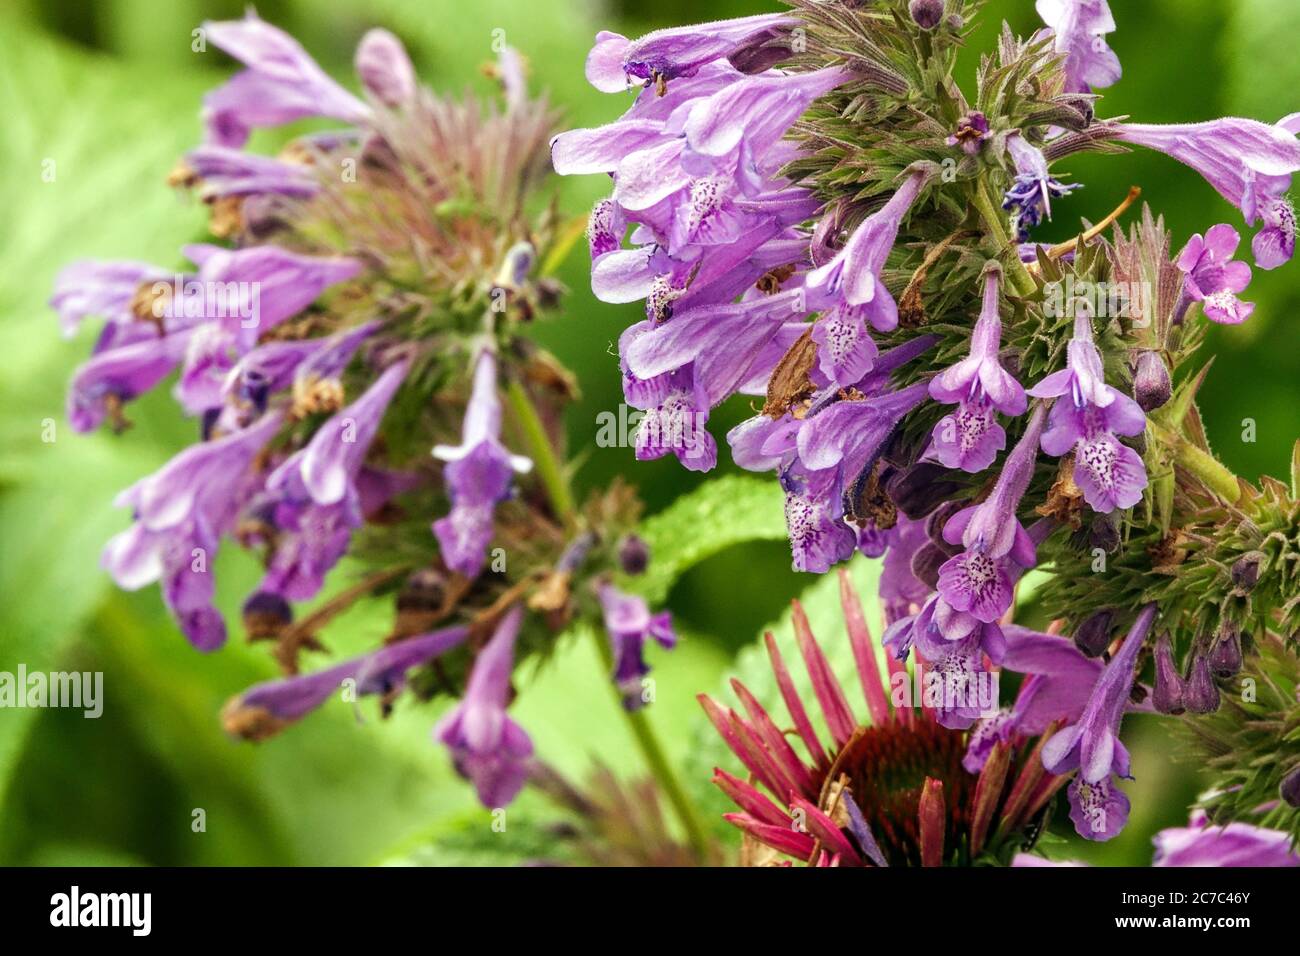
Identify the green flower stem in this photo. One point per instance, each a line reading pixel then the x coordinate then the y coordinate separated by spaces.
pixel 1017 275
pixel 1195 461
pixel 556 484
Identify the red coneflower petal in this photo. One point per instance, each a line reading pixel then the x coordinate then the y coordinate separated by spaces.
pixel 864 654
pixel 778 748
pixel 749 799
pixel 829 693
pixel 933 819
pixel 793 703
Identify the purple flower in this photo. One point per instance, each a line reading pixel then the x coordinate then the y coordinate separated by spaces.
pixel 629 623
pixel 282 83
pixel 1249 163
pixel 1213 277
pixel 615 61
pixel 1080 28
pixel 487 746
pixel 1031 195
pixel 972 129
pixel 226 171
pixel 845 349
pixel 265 708
pixel 478 474
pixel 1092 746
pixel 106 289
pixel 1202 843
pixel 115 376
pixel 853 275
pixel 970 438
pixel 1086 417
pixel 384 68
pixel 180 512
pixel 955 659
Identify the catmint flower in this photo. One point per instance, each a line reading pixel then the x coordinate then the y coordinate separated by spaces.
pixel 1086 417
pixel 1202 843
pixel 108 289
pixel 267 708
pixel 224 171
pixel 282 83
pixel 972 129
pixel 1213 277
pixel 1079 29
pixel 1030 196
pixel 1249 163
pixel 113 377
pixel 180 513
pixel 1167 697
pixel 384 68
pixel 1092 746
pixel 487 746
pixel 1151 385
pixel 1200 693
pixel 633 554
pixel 1245 570
pixel 629 623
pixel 971 437
pixel 479 474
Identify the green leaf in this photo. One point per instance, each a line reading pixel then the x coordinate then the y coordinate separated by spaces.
pixel 731 510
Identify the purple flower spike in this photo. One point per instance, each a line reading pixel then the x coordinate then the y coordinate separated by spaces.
pixel 487 746
pixel 970 438
pixel 854 272
pixel 181 511
pixel 1249 163
pixel 1213 277
pixel 629 623
pixel 1030 196
pixel 385 69
pixel 478 474
pixel 265 708
pixel 282 83
pixel 1086 417
pixel 1080 28
pixel 1092 745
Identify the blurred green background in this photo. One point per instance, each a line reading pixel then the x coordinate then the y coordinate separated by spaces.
pixel 109 92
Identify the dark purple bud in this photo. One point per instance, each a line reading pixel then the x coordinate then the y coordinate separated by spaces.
pixel 1200 696
pixel 1092 637
pixel 922 488
pixel 633 555
pixel 1291 787
pixel 1245 570
pixel 934 525
pixel 926 13
pixel 1104 533
pixel 762 51
pixel 266 614
pixel 1168 695
pixel 1151 385
pixel 926 563
pixel 1225 655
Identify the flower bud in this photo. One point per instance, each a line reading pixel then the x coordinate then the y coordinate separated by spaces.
pixel 1092 637
pixel 1291 787
pixel 1225 655
pixel 926 563
pixel 1104 532
pixel 633 555
pixel 1167 697
pixel 926 13
pixel 1151 385
pixel 1245 570
pixel 385 69
pixel 266 614
pixel 1200 695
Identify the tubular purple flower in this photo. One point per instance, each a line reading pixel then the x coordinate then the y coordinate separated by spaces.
pixel 487 746
pixel 113 377
pixel 1031 195
pixel 267 707
pixel 1213 277
pixel 854 272
pixel 1092 744
pixel 226 171
pixel 1249 163
pixel 1086 418
pixel 1079 28
pixel 478 474
pixel 1202 843
pixel 972 129
pixel 629 623
pixel 384 68
pixel 91 287
pixel 282 83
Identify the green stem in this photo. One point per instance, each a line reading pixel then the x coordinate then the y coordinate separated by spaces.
pixel 556 484
pixel 1204 466
pixel 549 470
pixel 1017 275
